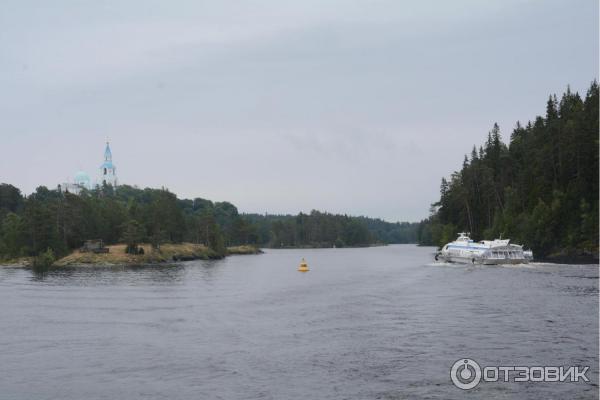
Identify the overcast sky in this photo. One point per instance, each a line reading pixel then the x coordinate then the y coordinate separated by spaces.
pixel 356 107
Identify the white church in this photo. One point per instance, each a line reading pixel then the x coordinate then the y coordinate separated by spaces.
pixel 107 175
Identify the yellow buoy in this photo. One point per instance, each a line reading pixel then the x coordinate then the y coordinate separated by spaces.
pixel 303 266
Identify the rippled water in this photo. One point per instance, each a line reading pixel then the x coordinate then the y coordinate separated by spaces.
pixel 370 323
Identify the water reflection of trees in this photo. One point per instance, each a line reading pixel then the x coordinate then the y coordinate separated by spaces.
pixel 109 274
pixel 173 273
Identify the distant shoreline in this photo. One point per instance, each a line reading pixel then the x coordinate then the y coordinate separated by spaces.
pixel 332 247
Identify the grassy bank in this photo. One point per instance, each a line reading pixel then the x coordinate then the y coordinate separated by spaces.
pixel 117 255
pixel 243 250
pixel 16 262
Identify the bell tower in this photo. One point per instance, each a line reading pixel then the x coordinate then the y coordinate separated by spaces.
pixel 108 171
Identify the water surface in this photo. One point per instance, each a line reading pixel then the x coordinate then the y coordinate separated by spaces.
pixel 375 323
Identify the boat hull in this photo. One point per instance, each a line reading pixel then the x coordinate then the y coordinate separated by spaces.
pixel 484 261
pixel 506 261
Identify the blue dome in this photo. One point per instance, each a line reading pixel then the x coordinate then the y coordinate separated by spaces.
pixel 83 179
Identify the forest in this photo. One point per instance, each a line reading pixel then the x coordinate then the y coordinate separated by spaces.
pixel 55 221
pixel 319 229
pixel 540 189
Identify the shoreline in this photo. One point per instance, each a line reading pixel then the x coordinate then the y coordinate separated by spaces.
pixel 118 256
pixel 571 259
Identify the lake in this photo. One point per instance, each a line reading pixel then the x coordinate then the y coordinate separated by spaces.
pixel 370 323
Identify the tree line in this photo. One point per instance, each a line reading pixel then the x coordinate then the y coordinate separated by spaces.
pixel 540 189
pixel 319 229
pixel 60 221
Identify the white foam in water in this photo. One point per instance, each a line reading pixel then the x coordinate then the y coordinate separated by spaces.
pixel 445 264
pixel 524 265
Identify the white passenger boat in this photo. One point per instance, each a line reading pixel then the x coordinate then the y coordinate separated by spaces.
pixel 499 251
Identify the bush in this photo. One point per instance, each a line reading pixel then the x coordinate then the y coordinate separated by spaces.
pixel 134 249
pixel 45 259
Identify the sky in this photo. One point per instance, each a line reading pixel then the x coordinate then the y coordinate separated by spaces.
pixel 355 107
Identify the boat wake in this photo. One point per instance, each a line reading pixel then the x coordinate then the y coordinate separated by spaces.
pixel 446 264
pixel 477 265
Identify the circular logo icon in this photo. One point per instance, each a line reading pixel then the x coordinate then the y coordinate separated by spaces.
pixel 465 374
